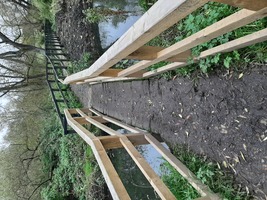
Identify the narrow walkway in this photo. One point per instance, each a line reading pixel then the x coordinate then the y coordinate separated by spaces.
pixel 222 118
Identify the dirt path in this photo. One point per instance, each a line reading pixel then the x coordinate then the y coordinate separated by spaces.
pixel 219 117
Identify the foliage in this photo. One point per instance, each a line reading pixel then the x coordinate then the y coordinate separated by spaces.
pixel 177 184
pixel 92 15
pixel 47 9
pixel 208 172
pixel 69 160
pixel 200 19
pixel 83 63
pixel 146 4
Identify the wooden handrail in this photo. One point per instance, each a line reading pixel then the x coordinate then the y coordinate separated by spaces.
pixel 128 141
pixel 168 12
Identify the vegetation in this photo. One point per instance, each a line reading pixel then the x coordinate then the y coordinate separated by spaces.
pixel 208 172
pixel 93 15
pixel 99 14
pixel 146 4
pixel 83 63
pixel 203 17
pixel 69 160
pixel 47 9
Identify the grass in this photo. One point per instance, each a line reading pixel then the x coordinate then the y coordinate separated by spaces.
pixel 70 162
pixel 208 172
pixel 68 159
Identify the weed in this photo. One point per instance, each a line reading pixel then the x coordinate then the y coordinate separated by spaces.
pixel 83 63
pixel 200 19
pixel 146 4
pixel 208 172
pixel 178 185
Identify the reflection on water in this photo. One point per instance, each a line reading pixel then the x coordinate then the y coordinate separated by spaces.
pixel 133 179
pixel 116 25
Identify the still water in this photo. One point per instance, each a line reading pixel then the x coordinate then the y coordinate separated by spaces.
pixel 115 26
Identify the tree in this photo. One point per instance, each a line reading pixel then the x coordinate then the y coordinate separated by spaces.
pixel 17 58
pixel 22 3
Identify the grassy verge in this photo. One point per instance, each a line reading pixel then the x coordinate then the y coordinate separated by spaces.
pixel 69 161
pixel 220 182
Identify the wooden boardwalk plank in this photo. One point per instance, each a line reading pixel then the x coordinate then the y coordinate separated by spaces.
pixel 110 174
pixel 150 53
pixel 97 124
pixel 118 123
pixel 248 4
pixel 112 178
pixel 181 168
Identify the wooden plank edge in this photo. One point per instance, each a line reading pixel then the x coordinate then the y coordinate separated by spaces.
pixel 247 4
pixel 158 185
pixel 181 168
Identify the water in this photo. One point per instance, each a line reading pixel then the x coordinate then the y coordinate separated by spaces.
pixel 133 179
pixel 116 26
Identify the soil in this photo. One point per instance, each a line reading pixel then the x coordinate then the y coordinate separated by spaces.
pixel 222 116
pixel 74 32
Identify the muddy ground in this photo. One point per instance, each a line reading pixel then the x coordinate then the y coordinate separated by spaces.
pixel 75 34
pixel 221 116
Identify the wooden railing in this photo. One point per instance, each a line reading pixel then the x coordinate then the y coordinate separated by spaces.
pixel 76 118
pixel 160 17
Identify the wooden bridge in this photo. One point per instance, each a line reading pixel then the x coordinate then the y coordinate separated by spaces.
pixel 161 16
